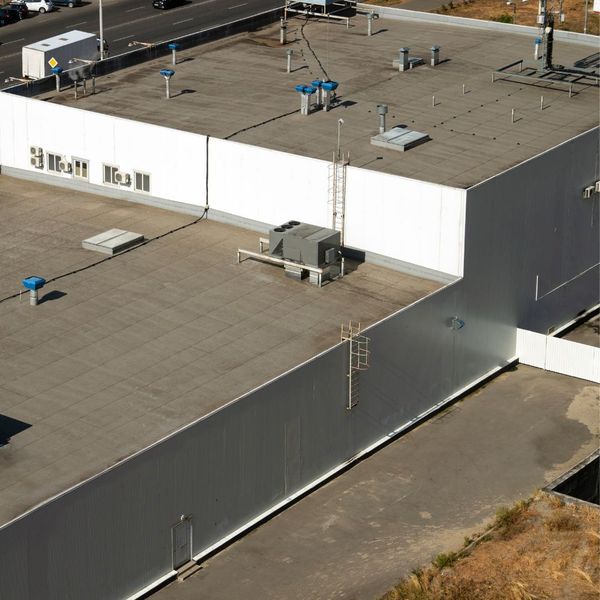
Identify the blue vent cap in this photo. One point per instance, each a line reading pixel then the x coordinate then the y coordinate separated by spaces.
pixel 317 83
pixel 57 71
pixel 538 40
pixel 329 86
pixel 174 46
pixel 167 72
pixel 34 282
pixel 305 89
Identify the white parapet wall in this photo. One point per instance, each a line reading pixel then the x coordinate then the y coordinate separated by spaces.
pixel 406 220
pixel 558 355
pixel 415 221
pixel 265 185
pixel 174 160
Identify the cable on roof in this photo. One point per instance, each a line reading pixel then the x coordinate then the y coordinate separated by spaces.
pixel 327 78
pixel 287 114
pixel 103 260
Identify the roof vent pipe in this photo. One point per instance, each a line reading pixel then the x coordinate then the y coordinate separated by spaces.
pixel 435 55
pixel 33 284
pixel 403 59
pixel 328 90
pixel 382 111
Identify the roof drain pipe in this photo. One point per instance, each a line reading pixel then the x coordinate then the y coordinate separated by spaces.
pixel 206 190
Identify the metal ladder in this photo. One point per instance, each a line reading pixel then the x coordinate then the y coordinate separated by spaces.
pixel 358 358
pixel 337 192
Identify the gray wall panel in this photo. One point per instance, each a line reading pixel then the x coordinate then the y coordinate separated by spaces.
pixel 533 220
pixel 112 536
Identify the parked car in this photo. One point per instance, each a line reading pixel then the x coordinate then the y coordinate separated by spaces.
pixel 20 8
pixel 40 6
pixel 69 3
pixel 7 16
pixel 164 4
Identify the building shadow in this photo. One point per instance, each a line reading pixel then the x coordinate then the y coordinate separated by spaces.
pixel 53 295
pixel 9 427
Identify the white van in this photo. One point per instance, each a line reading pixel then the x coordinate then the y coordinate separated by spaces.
pixel 40 6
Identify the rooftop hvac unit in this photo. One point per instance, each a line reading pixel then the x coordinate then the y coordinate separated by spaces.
pixel 37 161
pixel 35 151
pixel 306 244
pixel 64 165
pixel 122 178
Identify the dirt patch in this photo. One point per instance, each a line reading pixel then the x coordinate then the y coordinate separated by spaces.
pixel 521 13
pixel 540 548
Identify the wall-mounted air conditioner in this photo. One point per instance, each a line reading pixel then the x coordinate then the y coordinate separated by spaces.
pixel 35 151
pixel 37 161
pixel 597 187
pixel 64 165
pixel 122 178
pixel 588 191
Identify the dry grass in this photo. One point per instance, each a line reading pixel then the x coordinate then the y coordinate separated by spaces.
pixel 539 549
pixel 525 14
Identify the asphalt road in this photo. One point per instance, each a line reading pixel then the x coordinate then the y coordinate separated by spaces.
pixel 124 22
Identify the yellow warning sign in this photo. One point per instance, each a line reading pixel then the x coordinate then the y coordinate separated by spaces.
pixel 53 62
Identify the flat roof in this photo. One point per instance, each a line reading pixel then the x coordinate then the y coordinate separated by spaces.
pixel 238 88
pixel 587 333
pixel 58 41
pixel 120 354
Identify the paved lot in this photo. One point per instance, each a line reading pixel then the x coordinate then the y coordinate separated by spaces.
pixel 120 354
pixel 586 333
pixel 421 495
pixel 238 88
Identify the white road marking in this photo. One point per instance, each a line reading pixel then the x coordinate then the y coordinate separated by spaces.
pixel 77 24
pixel 184 21
pixel 14 41
pixel 124 38
pixel 236 6
pixel 137 8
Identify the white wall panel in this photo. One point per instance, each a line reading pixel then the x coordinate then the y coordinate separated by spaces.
pixel 411 221
pixel 414 221
pixel 266 185
pixel 558 355
pixel 175 160
pixel 531 348
pixel 572 358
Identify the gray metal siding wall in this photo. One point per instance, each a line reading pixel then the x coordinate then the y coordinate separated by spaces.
pixel 533 220
pixel 111 536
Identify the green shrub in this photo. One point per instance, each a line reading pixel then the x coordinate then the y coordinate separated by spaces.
pixel 443 560
pixel 503 18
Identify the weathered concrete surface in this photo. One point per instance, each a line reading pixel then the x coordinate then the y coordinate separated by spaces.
pixel 239 89
pixel 121 354
pixel 586 333
pixel 419 496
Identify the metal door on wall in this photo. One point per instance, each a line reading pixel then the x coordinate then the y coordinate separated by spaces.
pixel 181 539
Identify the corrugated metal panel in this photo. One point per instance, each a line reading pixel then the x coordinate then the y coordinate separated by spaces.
pixel 558 355
pixel 574 359
pixel 531 348
pixel 112 536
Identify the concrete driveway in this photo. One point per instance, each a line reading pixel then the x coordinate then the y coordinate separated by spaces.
pixel 421 495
